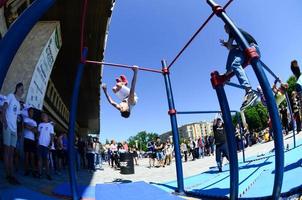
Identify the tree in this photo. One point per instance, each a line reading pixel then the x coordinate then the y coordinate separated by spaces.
pixel 256 116
pixel 291 85
pixel 141 139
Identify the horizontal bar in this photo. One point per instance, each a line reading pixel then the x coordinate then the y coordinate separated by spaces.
pixel 196 33
pixel 270 71
pixel 239 86
pixel 201 112
pixel 122 66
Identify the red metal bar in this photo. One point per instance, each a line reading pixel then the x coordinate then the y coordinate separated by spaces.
pixel 196 33
pixel 122 66
pixel 83 20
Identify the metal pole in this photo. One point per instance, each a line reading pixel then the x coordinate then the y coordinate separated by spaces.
pixel 71 130
pixel 267 91
pixel 231 140
pixel 172 113
pixel 14 37
pixel 240 127
pixel 291 117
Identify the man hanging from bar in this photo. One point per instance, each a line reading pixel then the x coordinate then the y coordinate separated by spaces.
pixel 235 61
pixel 126 95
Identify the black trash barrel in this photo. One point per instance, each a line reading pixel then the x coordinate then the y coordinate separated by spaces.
pixel 126 163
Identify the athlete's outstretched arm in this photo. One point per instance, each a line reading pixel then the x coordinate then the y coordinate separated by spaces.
pixel 110 100
pixel 131 99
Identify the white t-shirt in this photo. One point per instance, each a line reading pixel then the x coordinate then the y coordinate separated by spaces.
pixel 12 112
pixel 28 134
pixel 45 130
pixel 124 93
pixel 3 99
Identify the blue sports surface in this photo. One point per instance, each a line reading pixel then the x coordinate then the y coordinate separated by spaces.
pixel 256 178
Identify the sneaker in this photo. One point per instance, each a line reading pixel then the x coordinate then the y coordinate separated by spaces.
pixel 250 98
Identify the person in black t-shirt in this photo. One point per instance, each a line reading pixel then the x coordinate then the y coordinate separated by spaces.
pixel 235 61
pixel 220 142
pixel 284 118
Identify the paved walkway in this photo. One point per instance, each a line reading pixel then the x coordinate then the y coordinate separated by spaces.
pixel 142 172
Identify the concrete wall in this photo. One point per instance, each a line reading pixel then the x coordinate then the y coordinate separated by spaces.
pixel 24 63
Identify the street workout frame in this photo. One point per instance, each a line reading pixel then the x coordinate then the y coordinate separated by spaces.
pixel 11 42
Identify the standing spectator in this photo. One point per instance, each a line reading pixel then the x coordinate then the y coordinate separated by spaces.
pixel 2 101
pixel 30 145
pixel 159 152
pixel 151 153
pixel 65 149
pixel 10 112
pixel 46 135
pixel 135 155
pixel 113 153
pixel 296 110
pixel 201 148
pixel 82 148
pixel 284 118
pixel 90 155
pixel 297 73
pixel 125 146
pixel 207 149
pixel 184 150
pixel 247 135
pixel 220 142
pixel 168 152
pixel 192 148
pixel 211 144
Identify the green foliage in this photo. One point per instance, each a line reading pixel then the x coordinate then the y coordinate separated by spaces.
pixel 141 139
pixel 256 116
pixel 235 118
pixel 291 85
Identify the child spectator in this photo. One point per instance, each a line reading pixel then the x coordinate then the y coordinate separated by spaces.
pixel 46 135
pixel 30 145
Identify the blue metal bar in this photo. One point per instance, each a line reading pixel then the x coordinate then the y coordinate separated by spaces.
pixel 277 128
pixel 240 87
pixel 201 112
pixel 291 117
pixel 231 141
pixel 241 127
pixel 179 170
pixel 71 130
pixel 271 103
pixel 269 71
pixel 12 40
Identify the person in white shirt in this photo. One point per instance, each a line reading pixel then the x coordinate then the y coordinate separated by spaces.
pixel 46 137
pixel 30 145
pixel 127 96
pixel 10 112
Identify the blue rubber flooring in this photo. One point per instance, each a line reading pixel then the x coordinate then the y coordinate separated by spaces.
pixel 255 178
pixel 132 191
pixel 65 191
pixel 21 193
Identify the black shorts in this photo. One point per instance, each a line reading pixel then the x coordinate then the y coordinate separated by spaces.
pixel 30 146
pixel 60 154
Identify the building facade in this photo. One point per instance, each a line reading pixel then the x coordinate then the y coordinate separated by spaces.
pixel 193 130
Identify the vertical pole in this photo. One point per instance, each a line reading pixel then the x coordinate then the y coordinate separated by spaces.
pixel 230 136
pixel 172 113
pixel 277 128
pixel 291 117
pixel 253 57
pixel 14 37
pixel 241 127
pixel 71 130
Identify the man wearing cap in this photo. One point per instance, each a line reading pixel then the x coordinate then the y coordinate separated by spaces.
pixel 126 95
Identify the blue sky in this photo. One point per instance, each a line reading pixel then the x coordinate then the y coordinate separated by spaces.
pixel 144 32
